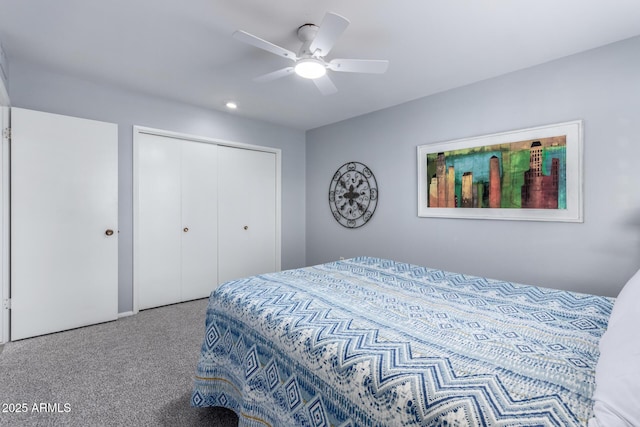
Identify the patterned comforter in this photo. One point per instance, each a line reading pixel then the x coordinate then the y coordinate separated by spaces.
pixel 374 342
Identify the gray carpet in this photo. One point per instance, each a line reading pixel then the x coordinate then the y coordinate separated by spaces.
pixel 136 371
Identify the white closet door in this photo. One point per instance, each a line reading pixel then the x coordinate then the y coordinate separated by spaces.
pixel 64 198
pixel 159 224
pixel 246 213
pixel 199 219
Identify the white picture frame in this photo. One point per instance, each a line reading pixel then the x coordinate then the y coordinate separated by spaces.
pixel 514 195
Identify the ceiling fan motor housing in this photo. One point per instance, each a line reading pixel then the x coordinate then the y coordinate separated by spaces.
pixel 306 33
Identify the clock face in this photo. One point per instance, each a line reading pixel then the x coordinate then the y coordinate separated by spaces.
pixel 353 195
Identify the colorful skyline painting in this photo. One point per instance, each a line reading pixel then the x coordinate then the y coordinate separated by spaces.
pixel 528 174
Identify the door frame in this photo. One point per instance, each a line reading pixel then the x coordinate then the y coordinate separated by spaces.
pixel 138 130
pixel 4 214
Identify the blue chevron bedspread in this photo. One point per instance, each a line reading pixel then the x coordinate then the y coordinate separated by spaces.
pixel 374 342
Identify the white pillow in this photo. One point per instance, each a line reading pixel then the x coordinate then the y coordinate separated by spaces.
pixel 617 394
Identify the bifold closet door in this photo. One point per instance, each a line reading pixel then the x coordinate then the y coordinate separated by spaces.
pixel 64 222
pixel 199 219
pixel 159 225
pixel 246 213
pixel 176 228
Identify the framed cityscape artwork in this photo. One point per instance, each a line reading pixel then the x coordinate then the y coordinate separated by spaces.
pixel 529 174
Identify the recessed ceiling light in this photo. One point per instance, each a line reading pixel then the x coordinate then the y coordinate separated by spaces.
pixel 231 105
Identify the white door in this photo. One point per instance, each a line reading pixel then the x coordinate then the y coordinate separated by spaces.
pixel 199 219
pixel 158 227
pixel 247 229
pixel 64 212
pixel 175 219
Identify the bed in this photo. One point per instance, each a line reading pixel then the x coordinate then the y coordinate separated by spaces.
pixel 375 342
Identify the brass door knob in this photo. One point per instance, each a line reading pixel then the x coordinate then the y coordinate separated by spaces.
pixel 185 229
pixel 109 232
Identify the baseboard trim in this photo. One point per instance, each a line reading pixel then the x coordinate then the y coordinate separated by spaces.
pixel 125 314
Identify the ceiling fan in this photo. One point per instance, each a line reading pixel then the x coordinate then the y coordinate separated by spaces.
pixel 309 62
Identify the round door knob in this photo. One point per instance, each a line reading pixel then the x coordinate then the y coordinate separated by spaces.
pixel 109 232
pixel 246 227
pixel 185 229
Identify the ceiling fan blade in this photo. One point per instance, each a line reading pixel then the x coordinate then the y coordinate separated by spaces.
pixel 325 85
pixel 274 75
pixel 332 26
pixel 374 66
pixel 245 37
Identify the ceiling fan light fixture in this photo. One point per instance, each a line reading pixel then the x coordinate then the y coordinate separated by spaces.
pixel 310 68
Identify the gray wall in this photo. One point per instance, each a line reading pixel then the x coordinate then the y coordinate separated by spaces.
pixel 37 89
pixel 601 87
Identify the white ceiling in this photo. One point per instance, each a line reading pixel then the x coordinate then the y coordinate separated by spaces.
pixel 183 50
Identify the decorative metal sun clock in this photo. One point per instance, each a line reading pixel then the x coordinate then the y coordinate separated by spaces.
pixel 353 195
